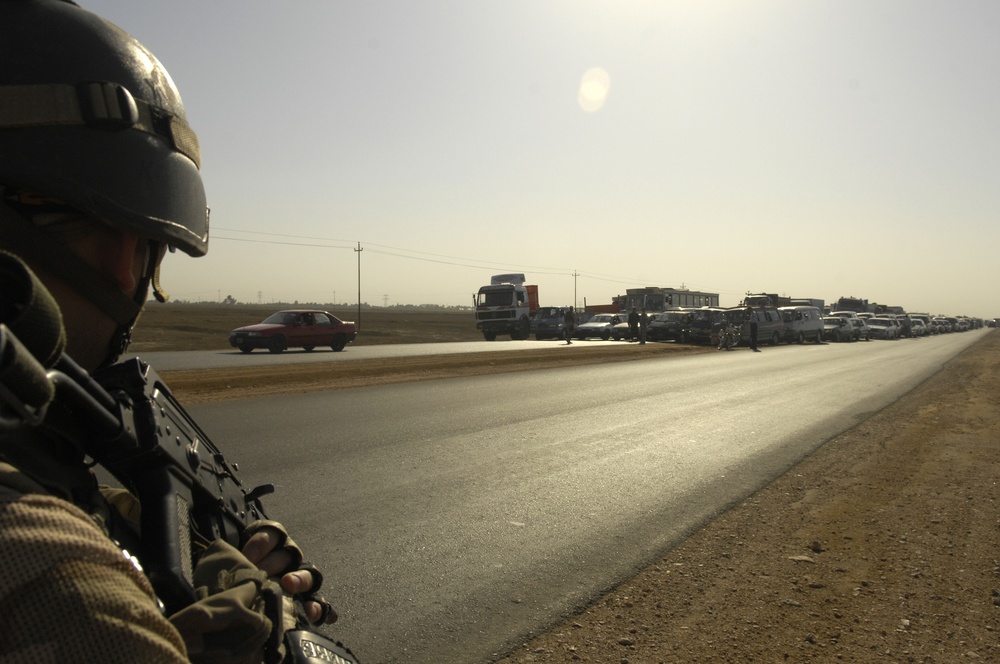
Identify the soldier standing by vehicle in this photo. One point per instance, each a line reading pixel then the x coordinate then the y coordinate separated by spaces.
pixel 99 177
pixel 633 324
pixel 751 317
pixel 569 323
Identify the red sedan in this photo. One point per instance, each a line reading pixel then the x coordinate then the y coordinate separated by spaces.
pixel 295 328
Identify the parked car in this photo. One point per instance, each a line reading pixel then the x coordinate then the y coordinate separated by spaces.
pixel 918 327
pixel 736 319
pixel 622 330
pixel 669 325
pixel 770 326
pixel 837 328
pixel 547 323
pixel 883 328
pixel 925 320
pixel 943 324
pixel 861 331
pixel 295 328
pixel 598 325
pixel 802 324
pixel 703 324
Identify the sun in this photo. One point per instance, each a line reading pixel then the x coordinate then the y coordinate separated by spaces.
pixel 594 86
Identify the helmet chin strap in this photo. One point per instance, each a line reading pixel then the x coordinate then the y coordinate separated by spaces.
pixel 27 240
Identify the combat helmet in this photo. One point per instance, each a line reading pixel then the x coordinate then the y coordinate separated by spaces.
pixel 89 118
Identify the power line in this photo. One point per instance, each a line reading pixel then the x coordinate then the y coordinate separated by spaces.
pixel 437 258
pixel 291 244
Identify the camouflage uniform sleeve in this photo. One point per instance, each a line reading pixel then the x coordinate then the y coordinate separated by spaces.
pixel 68 594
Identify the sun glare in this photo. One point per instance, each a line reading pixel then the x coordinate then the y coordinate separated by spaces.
pixel 594 86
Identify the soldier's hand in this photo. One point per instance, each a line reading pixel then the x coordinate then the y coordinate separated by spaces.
pixel 269 547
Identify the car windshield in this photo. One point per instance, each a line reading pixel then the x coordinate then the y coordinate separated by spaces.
pixel 548 312
pixel 833 320
pixel 280 318
pixel 600 318
pixel 879 322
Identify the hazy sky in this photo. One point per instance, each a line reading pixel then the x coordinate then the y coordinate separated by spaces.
pixel 808 148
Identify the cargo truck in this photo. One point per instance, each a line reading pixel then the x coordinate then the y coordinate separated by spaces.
pixel 505 306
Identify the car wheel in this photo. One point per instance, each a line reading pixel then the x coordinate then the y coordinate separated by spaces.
pixel 801 339
pixel 775 339
pixel 605 336
pixel 339 342
pixel 246 348
pixel 309 348
pixel 277 344
pixel 489 336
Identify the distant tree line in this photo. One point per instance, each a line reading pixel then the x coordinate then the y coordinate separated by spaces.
pixel 229 300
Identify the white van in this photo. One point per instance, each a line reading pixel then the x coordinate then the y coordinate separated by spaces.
pixel 802 324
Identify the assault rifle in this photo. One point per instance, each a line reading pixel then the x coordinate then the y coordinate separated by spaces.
pixel 126 420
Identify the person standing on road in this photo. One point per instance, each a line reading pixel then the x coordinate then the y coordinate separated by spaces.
pixel 643 324
pixel 633 324
pixel 752 320
pixel 569 322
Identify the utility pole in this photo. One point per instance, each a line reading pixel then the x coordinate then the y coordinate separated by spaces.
pixel 359 250
pixel 575 275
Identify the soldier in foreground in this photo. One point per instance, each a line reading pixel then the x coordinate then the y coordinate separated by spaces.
pixel 99 177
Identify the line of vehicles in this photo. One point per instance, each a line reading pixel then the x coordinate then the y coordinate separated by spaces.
pixel 509 306
pixel 788 324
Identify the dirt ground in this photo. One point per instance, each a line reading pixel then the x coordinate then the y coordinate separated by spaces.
pixel 881 546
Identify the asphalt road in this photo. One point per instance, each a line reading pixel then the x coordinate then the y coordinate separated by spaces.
pixel 226 359
pixel 454 517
